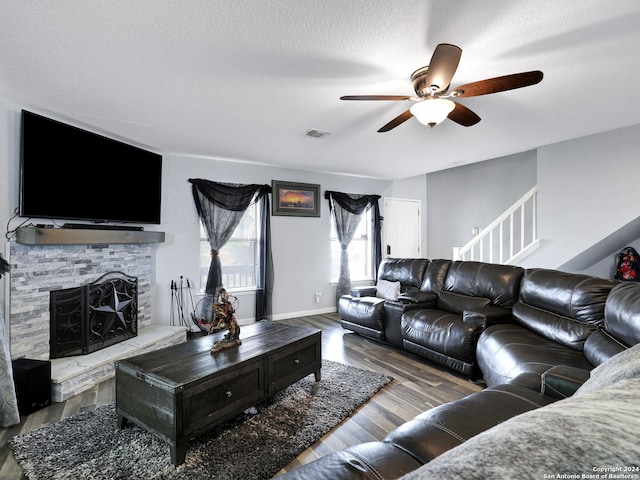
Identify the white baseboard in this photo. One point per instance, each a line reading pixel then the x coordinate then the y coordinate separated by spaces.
pixel 305 313
pixel 284 316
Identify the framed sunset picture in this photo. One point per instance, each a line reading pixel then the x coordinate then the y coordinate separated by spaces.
pixel 295 199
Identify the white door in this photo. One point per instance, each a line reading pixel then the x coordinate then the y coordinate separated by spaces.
pixel 401 226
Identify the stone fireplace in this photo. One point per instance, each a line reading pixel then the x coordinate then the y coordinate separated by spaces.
pixel 86 319
pixel 38 270
pixel 57 264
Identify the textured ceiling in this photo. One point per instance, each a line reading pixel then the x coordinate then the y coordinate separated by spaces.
pixel 245 79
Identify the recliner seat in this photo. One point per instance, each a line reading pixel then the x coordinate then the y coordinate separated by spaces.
pixel 555 314
pixel 571 303
pixel 362 310
pixel 425 437
pixel 474 296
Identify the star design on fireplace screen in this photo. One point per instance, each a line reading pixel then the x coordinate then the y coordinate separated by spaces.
pixel 115 311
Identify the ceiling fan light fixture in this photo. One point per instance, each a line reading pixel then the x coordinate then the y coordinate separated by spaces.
pixel 432 111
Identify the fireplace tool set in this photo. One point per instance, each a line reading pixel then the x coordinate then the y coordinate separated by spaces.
pixel 181 302
pixel 208 315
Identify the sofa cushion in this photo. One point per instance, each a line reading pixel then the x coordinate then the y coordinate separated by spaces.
pixel 499 283
pixel 600 347
pixel 506 351
pixel 574 436
pixel 442 337
pixel 446 426
pixel 365 461
pixel 570 295
pixel 563 307
pixel 624 365
pixel 434 276
pixel 621 324
pixel 387 290
pixel 563 330
pixel 622 313
pixel 407 271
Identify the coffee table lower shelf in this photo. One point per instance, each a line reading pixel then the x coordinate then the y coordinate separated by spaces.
pixel 182 391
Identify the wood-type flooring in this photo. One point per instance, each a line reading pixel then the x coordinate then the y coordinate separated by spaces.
pixel 417 386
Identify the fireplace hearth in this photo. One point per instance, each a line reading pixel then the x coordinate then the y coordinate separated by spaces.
pixel 94 316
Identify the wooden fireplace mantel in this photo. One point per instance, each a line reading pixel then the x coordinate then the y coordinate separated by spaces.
pixel 76 236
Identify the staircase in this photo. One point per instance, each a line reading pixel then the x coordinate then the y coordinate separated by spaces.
pixel 509 238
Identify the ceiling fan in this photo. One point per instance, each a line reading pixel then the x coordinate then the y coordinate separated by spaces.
pixel 431 84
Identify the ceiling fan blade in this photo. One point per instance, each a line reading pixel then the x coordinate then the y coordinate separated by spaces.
pixel 498 84
pixel 375 97
pixel 443 65
pixel 463 115
pixel 403 117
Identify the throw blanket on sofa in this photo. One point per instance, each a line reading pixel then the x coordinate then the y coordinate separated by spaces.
pixel 596 431
pixel 8 403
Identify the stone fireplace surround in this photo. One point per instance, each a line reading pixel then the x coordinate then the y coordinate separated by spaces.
pixel 38 269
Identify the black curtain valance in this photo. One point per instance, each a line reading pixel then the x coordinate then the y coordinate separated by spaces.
pixel 355 204
pixel 229 196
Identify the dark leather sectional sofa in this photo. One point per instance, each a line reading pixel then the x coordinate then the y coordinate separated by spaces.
pixel 533 336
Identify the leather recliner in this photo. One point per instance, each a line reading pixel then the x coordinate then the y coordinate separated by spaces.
pixel 555 315
pixel 474 296
pixel 442 428
pixel 411 299
pixel 362 311
pixel 428 435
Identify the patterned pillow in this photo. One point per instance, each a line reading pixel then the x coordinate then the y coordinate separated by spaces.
pixel 625 364
pixel 388 290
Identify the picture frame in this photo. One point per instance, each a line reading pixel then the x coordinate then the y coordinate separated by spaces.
pixel 295 199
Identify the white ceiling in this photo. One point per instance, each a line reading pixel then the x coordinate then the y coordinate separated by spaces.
pixel 245 79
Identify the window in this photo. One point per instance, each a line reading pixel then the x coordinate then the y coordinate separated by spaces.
pixel 360 251
pixel 238 256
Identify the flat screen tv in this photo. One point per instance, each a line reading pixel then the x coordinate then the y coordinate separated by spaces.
pixel 70 173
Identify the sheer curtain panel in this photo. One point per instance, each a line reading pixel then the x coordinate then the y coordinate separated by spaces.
pixel 220 207
pixel 347 210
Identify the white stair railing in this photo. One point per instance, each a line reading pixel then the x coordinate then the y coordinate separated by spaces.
pixel 509 238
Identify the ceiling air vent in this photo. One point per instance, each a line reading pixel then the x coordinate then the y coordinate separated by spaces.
pixel 315 133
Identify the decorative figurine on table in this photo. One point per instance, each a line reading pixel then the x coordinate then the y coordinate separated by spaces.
pixel 223 315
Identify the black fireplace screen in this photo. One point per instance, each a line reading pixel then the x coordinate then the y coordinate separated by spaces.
pixel 94 316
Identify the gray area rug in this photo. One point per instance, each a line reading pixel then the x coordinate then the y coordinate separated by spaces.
pixel 252 446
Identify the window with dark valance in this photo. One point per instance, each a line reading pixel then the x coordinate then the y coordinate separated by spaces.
pixel 346 210
pixel 220 207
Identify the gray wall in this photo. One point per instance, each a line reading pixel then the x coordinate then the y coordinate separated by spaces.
pixel 469 196
pixel 586 194
pixel 301 246
pixel 587 190
pixel 580 202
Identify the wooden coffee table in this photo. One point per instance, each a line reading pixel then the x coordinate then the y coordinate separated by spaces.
pixel 181 391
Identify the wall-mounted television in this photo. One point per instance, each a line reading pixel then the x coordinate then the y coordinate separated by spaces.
pixel 70 173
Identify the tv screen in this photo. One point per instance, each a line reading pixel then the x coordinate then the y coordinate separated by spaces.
pixel 70 173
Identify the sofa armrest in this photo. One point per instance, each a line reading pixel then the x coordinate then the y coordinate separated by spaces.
pixel 426 299
pixel 369 291
pixel 487 316
pixel 562 381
